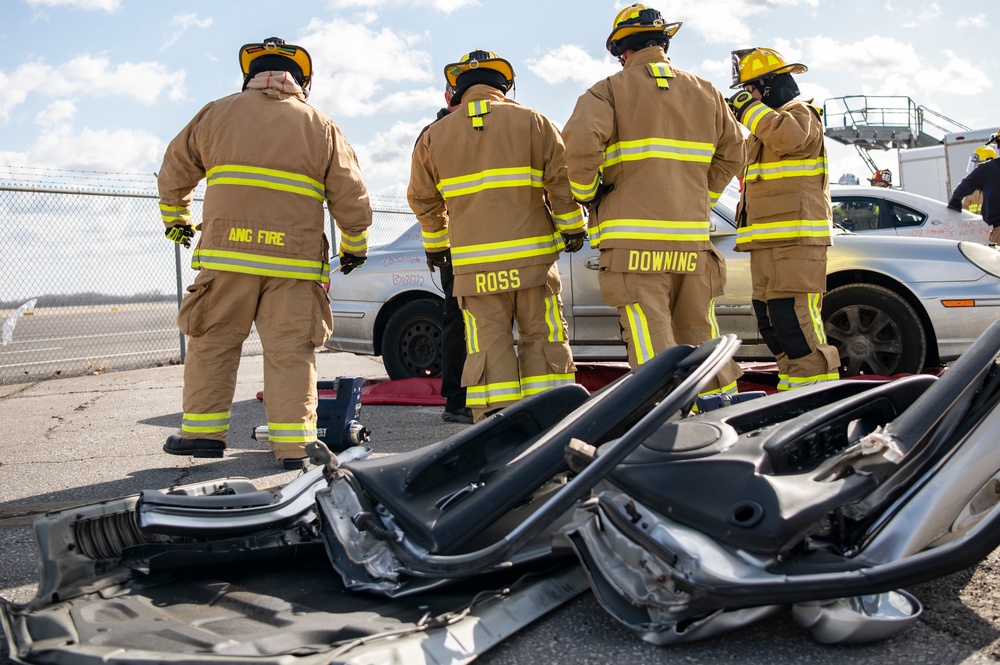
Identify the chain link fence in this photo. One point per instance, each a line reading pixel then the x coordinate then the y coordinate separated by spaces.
pixel 89 283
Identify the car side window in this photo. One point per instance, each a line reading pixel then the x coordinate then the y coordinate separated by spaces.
pixel 856 213
pixel 905 216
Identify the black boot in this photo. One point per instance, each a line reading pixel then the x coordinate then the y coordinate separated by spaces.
pixel 177 445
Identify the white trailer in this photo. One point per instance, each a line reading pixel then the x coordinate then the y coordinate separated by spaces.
pixel 936 171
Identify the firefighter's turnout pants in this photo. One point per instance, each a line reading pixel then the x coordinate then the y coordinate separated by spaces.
pixel 660 310
pixel 292 318
pixel 495 376
pixel 788 287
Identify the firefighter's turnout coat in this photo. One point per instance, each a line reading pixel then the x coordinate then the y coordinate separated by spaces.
pixel 489 183
pixel 784 220
pixel 270 161
pixel 651 148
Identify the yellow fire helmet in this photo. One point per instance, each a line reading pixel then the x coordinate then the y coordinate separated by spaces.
pixel 277 46
pixel 479 59
pixel 751 64
pixel 633 20
pixel 984 154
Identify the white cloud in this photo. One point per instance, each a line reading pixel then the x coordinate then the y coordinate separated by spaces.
pixel 887 66
pixel 90 76
pixel 359 71
pixel 570 62
pixel 446 6
pixel 977 21
pixel 182 23
pixel 57 112
pixel 117 151
pixel 87 5
pixel 385 160
pixel 724 21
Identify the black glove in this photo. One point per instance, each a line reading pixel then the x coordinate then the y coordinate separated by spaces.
pixel 739 102
pixel 180 234
pixel 438 259
pixel 349 262
pixel 955 205
pixel 574 242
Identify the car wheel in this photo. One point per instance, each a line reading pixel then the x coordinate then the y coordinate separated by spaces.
pixel 411 344
pixel 875 330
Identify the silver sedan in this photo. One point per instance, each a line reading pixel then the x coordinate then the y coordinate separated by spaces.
pixel 893 304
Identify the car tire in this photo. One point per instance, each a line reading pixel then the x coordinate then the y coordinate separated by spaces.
pixel 875 330
pixel 411 344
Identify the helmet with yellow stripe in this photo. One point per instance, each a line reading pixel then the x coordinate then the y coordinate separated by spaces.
pixel 275 53
pixel 635 25
pixel 479 60
pixel 753 64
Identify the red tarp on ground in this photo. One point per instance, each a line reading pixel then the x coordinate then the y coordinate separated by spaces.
pixel 427 392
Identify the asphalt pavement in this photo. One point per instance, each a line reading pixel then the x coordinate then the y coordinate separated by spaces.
pixel 72 441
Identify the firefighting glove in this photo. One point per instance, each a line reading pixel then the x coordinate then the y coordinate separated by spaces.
pixel 955 205
pixel 739 102
pixel 438 259
pixel 180 234
pixel 574 242
pixel 349 262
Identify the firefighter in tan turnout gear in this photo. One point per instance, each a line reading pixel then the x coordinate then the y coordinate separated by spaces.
pixel 271 161
pixel 650 150
pixel 784 216
pixel 488 185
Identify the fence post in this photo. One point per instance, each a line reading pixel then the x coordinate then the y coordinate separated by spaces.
pixel 180 291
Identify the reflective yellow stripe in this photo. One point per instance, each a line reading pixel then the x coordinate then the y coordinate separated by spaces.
pixel 553 319
pixel 518 176
pixel 174 214
pixel 480 107
pixel 205 422
pixel 291 432
pixel 253 176
pixel 585 192
pixel 651 229
pixel 471 333
pixel 493 393
pixel 661 73
pixel 976 208
pixel 570 222
pixel 713 198
pixel 788 168
pixel 731 389
pixel 685 151
pixel 793 228
pixel 712 321
pixel 753 116
pixel 532 385
pixel 354 244
pixel 813 301
pixel 490 252
pixel 255 264
pixel 786 382
pixel 435 240
pixel 639 328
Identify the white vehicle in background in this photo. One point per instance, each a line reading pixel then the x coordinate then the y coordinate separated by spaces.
pixel 935 171
pixel 890 212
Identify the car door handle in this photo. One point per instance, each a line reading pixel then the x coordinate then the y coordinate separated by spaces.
pixel 593 263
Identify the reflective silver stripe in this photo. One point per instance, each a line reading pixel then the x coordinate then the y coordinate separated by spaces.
pixel 252 176
pixel 688 151
pixel 643 229
pixel 584 192
pixel 533 385
pixel 173 214
pixel 505 251
pixel 798 228
pixel 435 240
pixel 491 179
pixel 260 265
pixel 787 169
pixel 752 117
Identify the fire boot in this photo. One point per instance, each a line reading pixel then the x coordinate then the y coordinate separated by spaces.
pixel 177 445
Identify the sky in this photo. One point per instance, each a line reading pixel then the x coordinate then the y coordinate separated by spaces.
pixel 101 86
